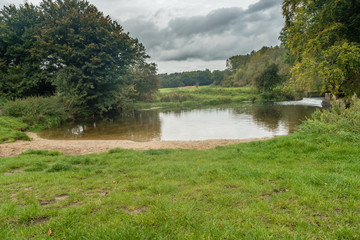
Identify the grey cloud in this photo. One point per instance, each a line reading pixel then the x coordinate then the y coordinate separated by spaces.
pixel 263 5
pixel 218 35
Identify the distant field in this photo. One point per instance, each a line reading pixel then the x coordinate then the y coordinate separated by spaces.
pixel 186 97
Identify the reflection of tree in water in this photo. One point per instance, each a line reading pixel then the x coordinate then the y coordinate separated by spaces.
pixel 146 125
pixel 267 115
pixel 135 126
pixel 271 115
pixel 294 115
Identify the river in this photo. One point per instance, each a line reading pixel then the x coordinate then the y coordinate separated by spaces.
pixel 240 122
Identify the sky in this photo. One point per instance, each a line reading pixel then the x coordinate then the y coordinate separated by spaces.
pixel 187 35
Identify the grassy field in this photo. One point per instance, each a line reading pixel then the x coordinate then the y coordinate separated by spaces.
pixel 302 186
pixel 194 97
pixel 191 97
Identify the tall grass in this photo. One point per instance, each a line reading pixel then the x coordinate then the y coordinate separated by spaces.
pixel 38 112
pixel 340 122
pixel 192 97
pixel 11 129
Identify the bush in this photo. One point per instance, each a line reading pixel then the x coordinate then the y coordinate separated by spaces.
pixel 338 121
pixel 40 112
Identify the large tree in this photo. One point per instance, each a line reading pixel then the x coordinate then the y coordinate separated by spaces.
pixel 71 44
pixel 20 70
pixel 323 36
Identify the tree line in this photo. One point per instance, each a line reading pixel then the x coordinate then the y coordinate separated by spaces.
pixel 71 49
pixel 193 78
pixel 263 69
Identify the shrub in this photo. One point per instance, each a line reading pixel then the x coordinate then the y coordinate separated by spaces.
pixel 344 123
pixel 43 112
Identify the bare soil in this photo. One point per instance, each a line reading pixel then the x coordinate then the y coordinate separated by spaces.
pixel 81 147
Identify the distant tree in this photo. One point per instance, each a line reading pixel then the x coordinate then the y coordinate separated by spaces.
pixel 268 79
pixel 246 68
pixel 192 78
pixel 204 78
pixel 217 76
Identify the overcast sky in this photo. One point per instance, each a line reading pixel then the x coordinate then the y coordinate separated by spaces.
pixel 185 35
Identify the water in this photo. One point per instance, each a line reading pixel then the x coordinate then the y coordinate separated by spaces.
pixel 242 122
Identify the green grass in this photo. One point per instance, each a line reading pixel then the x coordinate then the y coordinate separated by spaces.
pixel 199 96
pixel 10 129
pixel 195 97
pixel 302 186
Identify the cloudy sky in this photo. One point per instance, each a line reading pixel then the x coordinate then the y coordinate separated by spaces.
pixel 185 35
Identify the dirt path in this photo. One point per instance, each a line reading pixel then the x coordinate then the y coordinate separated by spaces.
pixel 80 147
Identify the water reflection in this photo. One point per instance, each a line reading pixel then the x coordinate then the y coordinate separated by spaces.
pixel 242 122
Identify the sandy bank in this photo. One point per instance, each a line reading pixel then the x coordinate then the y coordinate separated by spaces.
pixel 81 147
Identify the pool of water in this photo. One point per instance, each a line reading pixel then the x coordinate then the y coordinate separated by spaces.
pixel 241 122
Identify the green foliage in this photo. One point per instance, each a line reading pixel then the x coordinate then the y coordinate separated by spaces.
pixel 250 68
pixel 323 38
pixel 42 112
pixel 268 79
pixel 343 123
pixel 194 78
pixel 146 82
pixel 70 47
pixel 20 56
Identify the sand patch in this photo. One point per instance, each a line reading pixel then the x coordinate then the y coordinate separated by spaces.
pixel 82 147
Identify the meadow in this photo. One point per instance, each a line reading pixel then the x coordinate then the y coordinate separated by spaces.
pixel 203 96
pixel 302 186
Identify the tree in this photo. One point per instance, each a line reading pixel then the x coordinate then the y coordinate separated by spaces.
pixel 268 79
pixel 246 68
pixel 146 82
pixel 70 47
pixel 20 70
pixel 324 38
pixel 88 53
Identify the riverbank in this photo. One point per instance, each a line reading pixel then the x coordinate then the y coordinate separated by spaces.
pixel 302 186
pixel 205 96
pixel 82 147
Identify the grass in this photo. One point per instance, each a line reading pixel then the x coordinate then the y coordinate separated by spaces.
pixel 11 129
pixel 302 186
pixel 193 97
